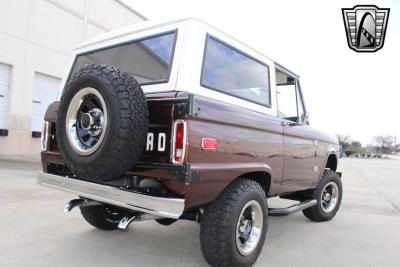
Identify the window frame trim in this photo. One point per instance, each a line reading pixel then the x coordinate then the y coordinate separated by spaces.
pixel 299 94
pixel 298 91
pixel 209 36
pixel 299 101
pixel 175 32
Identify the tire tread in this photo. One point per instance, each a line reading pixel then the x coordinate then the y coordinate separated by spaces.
pixel 315 213
pixel 219 218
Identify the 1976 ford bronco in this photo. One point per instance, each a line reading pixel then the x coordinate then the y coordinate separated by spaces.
pixel 181 121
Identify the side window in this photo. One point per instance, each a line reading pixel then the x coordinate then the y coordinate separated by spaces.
pixel 286 97
pixel 232 72
pixel 290 101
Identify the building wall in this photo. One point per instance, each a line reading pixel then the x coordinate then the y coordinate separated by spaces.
pixel 37 36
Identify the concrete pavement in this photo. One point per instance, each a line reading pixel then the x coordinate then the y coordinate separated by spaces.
pixel 34 231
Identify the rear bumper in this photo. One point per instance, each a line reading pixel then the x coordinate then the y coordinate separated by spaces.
pixel 163 207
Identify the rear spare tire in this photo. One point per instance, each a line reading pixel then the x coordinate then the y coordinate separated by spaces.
pixel 102 123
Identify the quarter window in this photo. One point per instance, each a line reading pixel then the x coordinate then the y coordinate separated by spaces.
pixel 149 60
pixel 227 70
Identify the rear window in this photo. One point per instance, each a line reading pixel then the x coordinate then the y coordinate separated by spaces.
pixel 232 72
pixel 149 60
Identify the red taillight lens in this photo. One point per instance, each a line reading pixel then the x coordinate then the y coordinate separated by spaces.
pixel 45 135
pixel 179 142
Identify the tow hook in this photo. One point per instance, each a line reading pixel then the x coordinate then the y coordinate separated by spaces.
pixel 125 222
pixel 79 202
pixel 135 217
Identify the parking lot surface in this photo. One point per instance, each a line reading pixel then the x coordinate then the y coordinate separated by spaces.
pixel 34 230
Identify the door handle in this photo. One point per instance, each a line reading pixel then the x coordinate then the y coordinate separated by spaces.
pixel 289 123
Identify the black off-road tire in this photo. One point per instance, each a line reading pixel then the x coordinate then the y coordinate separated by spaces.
pixel 127 127
pixel 316 213
pixel 166 221
pixel 218 225
pixel 103 217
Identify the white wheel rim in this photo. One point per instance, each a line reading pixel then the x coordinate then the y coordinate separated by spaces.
pixel 329 197
pixel 249 227
pixel 73 126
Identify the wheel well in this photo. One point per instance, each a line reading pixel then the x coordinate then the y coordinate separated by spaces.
pixel 263 178
pixel 331 163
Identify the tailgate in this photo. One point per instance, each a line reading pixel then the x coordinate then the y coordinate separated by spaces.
pixel 162 113
pixel 158 143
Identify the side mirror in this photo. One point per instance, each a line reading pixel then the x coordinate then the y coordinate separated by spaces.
pixel 306 118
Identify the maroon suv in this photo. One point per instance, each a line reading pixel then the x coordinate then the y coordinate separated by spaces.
pixel 181 121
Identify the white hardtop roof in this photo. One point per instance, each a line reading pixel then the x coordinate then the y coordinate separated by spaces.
pixel 147 25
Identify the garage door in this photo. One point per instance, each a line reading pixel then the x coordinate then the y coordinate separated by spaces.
pixel 44 93
pixel 4 97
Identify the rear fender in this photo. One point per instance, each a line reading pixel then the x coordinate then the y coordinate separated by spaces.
pixel 215 177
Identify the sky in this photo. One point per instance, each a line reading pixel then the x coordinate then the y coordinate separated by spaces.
pixel 345 92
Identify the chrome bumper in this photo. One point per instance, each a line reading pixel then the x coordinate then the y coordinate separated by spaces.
pixel 163 207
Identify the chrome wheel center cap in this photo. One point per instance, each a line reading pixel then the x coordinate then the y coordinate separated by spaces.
pixel 245 227
pixel 93 121
pixel 327 197
pixel 87 121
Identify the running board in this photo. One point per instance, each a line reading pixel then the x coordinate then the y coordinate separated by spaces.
pixel 289 210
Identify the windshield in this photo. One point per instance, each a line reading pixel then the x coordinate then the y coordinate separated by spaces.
pixel 149 60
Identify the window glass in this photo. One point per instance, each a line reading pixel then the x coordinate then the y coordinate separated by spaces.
pixel 148 60
pixel 287 104
pixel 232 72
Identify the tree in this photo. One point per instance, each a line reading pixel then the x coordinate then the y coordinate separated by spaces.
pixel 344 141
pixel 355 146
pixel 385 143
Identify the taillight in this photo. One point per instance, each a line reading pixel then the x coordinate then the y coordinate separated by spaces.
pixel 45 135
pixel 179 142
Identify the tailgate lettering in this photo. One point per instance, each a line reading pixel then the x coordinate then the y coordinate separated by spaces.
pixel 149 143
pixel 161 142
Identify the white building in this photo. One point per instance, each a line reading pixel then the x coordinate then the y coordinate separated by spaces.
pixel 36 40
